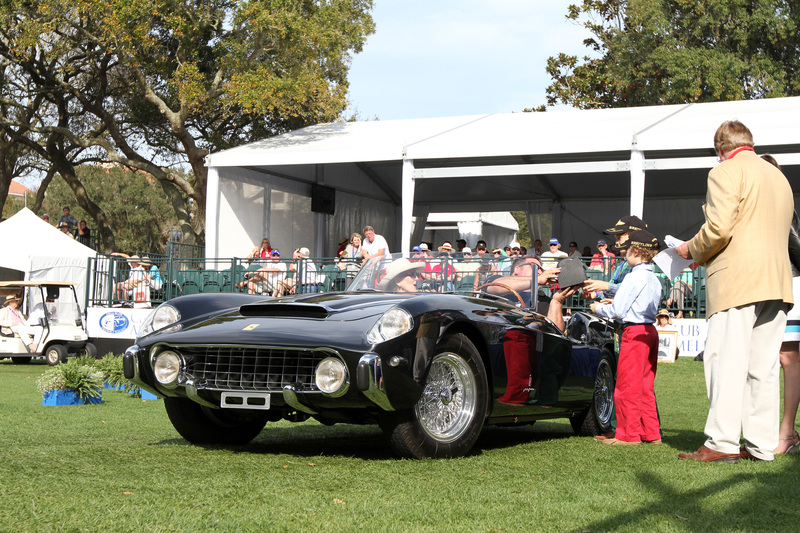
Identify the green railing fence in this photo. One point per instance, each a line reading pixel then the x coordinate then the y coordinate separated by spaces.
pixel 184 271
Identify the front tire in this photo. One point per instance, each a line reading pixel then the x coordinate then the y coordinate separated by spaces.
pixel 596 420
pixel 202 425
pixel 449 416
pixel 55 353
pixel 90 349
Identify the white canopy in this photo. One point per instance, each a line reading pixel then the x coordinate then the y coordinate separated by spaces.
pixel 41 252
pixel 499 228
pixel 585 168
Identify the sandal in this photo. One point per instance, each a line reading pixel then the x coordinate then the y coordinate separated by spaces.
pixel 793 447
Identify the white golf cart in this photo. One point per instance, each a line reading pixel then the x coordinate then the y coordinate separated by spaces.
pixel 53 307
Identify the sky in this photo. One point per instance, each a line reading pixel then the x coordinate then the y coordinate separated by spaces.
pixel 438 58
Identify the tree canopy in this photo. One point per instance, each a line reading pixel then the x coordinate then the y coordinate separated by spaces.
pixel 155 85
pixel 142 221
pixel 649 52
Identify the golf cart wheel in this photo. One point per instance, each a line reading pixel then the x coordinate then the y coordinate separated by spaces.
pixel 55 353
pixel 90 349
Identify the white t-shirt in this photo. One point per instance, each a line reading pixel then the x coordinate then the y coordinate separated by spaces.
pixel 272 278
pixel 376 244
pixel 550 259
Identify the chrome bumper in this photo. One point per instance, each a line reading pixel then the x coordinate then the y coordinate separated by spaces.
pixel 369 376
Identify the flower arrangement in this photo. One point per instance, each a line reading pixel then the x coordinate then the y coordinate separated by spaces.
pixel 78 375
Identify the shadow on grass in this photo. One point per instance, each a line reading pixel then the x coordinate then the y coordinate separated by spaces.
pixel 499 437
pixel 308 440
pixel 368 442
pixel 770 501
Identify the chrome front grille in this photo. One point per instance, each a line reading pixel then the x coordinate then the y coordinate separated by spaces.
pixel 249 368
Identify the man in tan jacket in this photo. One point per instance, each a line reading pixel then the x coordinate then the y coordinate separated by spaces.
pixel 742 243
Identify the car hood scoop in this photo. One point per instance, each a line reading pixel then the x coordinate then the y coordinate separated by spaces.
pixel 288 310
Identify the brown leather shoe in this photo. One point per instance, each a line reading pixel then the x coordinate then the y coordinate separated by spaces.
pixel 605 436
pixel 744 454
pixel 706 455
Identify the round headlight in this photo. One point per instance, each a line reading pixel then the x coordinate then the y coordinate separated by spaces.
pixel 166 367
pixel 330 375
pixel 163 316
pixel 393 323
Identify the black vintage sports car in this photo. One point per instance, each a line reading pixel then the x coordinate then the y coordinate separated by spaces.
pixel 430 366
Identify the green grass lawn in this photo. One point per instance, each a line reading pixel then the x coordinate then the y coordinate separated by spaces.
pixel 120 466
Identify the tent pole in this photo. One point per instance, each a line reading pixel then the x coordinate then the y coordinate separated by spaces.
pixel 407 205
pixel 212 213
pixel 637 180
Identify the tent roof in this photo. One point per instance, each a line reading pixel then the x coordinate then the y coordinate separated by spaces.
pixel 582 160
pixel 25 235
pixel 37 283
pixel 511 159
pixel 657 128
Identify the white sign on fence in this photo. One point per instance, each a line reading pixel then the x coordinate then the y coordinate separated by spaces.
pixel 692 334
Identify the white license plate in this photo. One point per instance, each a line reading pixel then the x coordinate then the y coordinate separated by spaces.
pixel 244 400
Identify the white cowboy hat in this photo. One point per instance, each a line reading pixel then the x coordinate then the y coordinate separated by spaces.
pixel 398 270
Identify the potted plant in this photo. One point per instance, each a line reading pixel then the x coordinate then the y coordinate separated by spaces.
pixel 75 382
pixel 113 374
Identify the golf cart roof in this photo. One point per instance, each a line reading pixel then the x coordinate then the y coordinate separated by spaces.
pixel 36 283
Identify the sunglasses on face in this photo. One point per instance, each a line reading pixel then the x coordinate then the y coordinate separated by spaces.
pixel 517 249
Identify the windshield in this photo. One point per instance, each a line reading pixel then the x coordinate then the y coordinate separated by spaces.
pixel 438 272
pixel 57 303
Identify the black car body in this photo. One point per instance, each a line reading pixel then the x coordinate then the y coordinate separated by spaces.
pixel 430 368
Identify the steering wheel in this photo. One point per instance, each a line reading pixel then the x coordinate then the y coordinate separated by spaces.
pixel 506 287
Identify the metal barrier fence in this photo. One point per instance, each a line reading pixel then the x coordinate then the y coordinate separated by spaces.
pixel 112 281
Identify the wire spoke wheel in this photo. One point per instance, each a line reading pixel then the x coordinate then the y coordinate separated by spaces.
pixel 597 418
pixel 604 393
pixel 448 403
pixel 449 415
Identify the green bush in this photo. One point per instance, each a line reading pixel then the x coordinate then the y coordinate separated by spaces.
pixel 111 367
pixel 75 375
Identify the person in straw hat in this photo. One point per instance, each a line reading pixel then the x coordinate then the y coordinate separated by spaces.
pixel 400 276
pixel 136 276
pixel 13 320
pixel 664 321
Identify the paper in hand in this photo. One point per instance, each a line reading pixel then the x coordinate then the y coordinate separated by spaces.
pixel 669 261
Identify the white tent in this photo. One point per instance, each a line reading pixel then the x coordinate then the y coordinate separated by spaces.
pixel 582 168
pixel 39 251
pixel 498 228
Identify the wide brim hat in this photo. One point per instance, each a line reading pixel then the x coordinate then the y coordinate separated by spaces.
pixel 134 259
pixel 10 297
pixel 145 261
pixel 446 247
pixel 626 224
pixel 665 313
pixel 399 268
